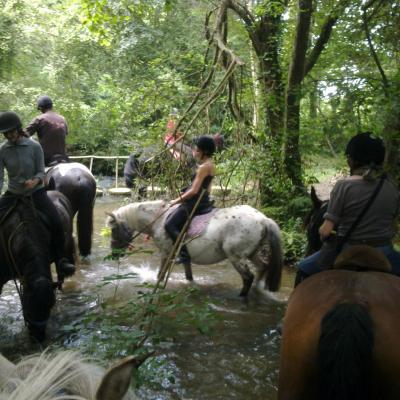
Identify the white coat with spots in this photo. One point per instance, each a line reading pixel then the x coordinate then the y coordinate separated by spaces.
pixel 240 233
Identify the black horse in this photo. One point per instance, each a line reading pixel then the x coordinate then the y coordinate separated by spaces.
pixel 26 253
pixel 313 222
pixel 152 162
pixel 77 183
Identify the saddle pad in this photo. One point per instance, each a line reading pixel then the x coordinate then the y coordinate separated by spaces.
pixel 199 222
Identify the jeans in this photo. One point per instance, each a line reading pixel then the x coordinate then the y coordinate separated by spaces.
pixel 309 264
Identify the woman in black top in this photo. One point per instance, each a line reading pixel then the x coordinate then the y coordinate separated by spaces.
pixel 205 148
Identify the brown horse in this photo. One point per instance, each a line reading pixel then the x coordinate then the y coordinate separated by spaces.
pixel 340 337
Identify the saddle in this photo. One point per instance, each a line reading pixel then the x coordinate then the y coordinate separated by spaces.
pixel 362 258
pixel 199 222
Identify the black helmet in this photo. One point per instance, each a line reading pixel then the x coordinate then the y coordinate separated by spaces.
pixel 206 144
pixel 365 149
pixel 44 102
pixel 9 121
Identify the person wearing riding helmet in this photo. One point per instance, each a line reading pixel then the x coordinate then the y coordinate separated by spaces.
pixel 24 162
pixel 200 186
pixel 365 156
pixel 51 129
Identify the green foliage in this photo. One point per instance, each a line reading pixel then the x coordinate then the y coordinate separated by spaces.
pixel 116 327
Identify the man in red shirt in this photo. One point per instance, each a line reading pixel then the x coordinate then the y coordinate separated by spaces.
pixel 51 129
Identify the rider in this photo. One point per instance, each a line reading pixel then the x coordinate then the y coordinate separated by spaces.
pixel 23 160
pixel 204 149
pixel 51 129
pixel 365 156
pixel 171 136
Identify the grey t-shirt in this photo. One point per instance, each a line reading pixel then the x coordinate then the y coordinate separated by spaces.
pixel 348 199
pixel 22 161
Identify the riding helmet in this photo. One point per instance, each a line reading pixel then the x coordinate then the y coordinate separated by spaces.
pixel 9 121
pixel 45 103
pixel 206 144
pixel 365 149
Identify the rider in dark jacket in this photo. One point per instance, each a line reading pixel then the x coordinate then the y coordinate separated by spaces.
pixel 51 129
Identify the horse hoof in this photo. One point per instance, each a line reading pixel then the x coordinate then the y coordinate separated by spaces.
pixel 85 260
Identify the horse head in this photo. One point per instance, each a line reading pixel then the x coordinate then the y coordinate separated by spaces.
pixel 313 221
pixel 66 374
pixel 121 234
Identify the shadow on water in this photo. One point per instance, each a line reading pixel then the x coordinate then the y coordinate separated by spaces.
pixel 236 359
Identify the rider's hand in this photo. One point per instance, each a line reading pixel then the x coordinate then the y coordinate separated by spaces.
pixel 31 183
pixel 326 229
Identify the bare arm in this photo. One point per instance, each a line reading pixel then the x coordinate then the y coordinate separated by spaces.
pixel 201 173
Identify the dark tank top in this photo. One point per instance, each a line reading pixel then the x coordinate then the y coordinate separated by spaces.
pixel 205 202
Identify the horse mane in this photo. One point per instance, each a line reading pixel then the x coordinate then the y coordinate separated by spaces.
pixel 62 376
pixel 362 258
pixel 127 214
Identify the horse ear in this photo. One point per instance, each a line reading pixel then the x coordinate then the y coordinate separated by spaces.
pixel 314 198
pixel 115 383
pixel 112 219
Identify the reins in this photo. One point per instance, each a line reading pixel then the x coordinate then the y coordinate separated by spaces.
pixel 158 215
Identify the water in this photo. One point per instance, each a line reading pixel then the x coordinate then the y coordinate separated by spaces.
pixel 237 359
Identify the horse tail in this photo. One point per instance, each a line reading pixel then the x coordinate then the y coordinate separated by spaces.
pixel 345 353
pixel 275 264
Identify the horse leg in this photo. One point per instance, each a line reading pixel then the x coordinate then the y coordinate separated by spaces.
pixel 85 227
pixel 188 271
pixel 241 266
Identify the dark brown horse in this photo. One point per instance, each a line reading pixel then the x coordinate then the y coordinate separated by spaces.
pixel 77 183
pixel 340 332
pixel 26 255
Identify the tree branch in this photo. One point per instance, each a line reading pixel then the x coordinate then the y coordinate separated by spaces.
pixel 385 82
pixel 323 37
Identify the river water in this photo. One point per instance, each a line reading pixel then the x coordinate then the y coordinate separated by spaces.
pixel 237 359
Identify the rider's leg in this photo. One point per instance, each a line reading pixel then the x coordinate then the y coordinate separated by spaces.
pixel 174 226
pixel 44 204
pixel 6 201
pixel 307 267
pixel 393 256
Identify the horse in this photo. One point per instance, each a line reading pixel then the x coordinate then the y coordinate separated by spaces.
pixel 147 163
pixel 26 255
pixel 77 183
pixel 313 221
pixel 340 338
pixel 239 234
pixel 65 375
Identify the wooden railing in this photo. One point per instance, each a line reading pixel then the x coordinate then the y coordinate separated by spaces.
pixel 117 158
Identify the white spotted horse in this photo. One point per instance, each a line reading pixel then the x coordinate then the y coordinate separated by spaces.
pixel 26 253
pixel 240 234
pixel 77 183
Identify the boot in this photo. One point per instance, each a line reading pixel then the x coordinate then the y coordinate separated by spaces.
pixel 65 268
pixel 183 257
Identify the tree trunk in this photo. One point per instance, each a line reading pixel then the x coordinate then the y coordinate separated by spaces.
pixel 292 159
